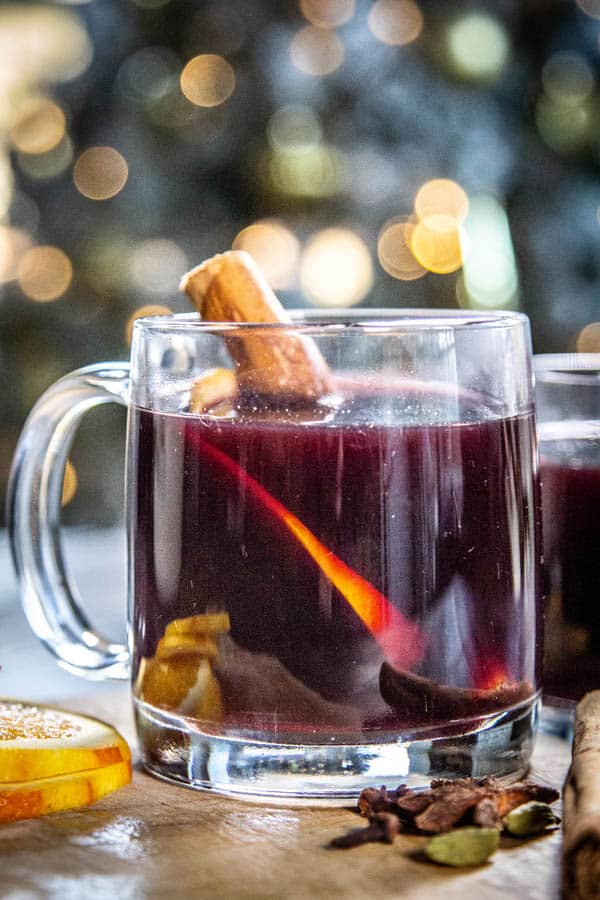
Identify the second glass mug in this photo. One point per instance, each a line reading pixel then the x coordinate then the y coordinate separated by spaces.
pixel 324 595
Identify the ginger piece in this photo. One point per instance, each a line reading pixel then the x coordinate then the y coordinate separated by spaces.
pixel 230 288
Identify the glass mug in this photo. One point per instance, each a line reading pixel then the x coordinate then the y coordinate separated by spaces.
pixel 322 595
pixel 568 407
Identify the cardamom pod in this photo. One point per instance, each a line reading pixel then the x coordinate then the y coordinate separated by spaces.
pixel 529 819
pixel 469 846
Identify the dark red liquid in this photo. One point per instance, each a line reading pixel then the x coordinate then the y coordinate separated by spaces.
pixel 440 519
pixel 571 505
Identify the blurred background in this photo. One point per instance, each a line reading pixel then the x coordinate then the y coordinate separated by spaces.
pixel 366 152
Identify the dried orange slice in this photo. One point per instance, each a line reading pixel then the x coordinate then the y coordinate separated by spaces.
pixel 42 742
pixel 29 799
pixel 207 623
pixel 171 645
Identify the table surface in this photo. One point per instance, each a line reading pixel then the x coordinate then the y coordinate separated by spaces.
pixel 153 840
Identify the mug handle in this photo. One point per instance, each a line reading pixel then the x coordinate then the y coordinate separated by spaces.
pixel 50 600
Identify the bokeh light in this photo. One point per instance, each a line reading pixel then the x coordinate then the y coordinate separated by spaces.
pixel 274 248
pixel 14 242
pixel 306 172
pixel 588 339
pixel 156 266
pixel 69 486
pixel 478 46
pixel 590 7
pixel 394 250
pixel 148 74
pixel 489 279
pixel 441 196
pixel 564 127
pixel 395 22
pixel 42 166
pixel 142 312
pixel 436 243
pixel 336 268
pixel 328 13
pixel 39 125
pixel 316 51
pixel 568 78
pixel 207 80
pixel 44 273
pixel 100 173
pixel 294 127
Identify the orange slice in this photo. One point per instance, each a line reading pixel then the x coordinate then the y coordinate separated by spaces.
pixel 42 742
pixel 196 644
pixel 207 623
pixel 30 799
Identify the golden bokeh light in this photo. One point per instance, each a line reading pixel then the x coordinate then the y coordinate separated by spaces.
pixel 394 250
pixel 395 22
pixel 441 196
pixel 69 486
pixel 437 243
pixel 588 339
pixel 207 80
pixel 316 51
pixel 14 242
pixel 274 248
pixel 44 273
pixel 568 78
pixel 151 309
pixel 307 172
pixel 156 266
pixel 336 268
pixel 328 13
pixel 590 7
pixel 100 173
pixel 38 126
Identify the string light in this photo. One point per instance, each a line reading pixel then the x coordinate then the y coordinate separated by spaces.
pixel 478 46
pixel 100 173
pixel 44 273
pixel 151 309
pixel 441 196
pixel 207 80
pixel 395 22
pixel 294 127
pixel 489 279
pixel 274 248
pixel 42 166
pixel 336 268
pixel 436 243
pixel 316 51
pixel 568 78
pixel 328 13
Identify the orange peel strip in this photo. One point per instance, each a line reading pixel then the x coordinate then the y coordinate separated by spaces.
pixel 402 641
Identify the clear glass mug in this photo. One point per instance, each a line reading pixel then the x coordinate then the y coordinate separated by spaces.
pixel 322 595
pixel 568 408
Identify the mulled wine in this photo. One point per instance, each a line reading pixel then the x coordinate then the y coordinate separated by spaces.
pixel 337 575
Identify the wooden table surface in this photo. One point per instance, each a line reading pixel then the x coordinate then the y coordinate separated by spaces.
pixel 153 840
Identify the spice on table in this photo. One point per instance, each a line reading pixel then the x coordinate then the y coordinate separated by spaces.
pixel 481 803
pixel 529 819
pixel 581 806
pixel 469 846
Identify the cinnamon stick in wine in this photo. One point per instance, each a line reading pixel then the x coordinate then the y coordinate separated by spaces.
pixel 581 806
pixel 229 287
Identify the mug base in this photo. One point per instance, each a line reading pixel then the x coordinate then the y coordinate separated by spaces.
pixel 173 748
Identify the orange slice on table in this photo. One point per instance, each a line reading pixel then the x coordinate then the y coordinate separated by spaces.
pixel 29 799
pixel 42 742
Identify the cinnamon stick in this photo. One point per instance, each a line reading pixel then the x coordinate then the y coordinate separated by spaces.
pixel 415 696
pixel 229 287
pixel 581 806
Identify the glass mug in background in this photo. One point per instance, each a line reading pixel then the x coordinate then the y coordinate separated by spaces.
pixel 323 595
pixel 568 409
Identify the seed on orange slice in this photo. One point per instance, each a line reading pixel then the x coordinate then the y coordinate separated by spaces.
pixel 207 623
pixel 30 799
pixel 42 742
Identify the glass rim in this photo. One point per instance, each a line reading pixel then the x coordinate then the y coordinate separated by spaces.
pixel 567 368
pixel 336 321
